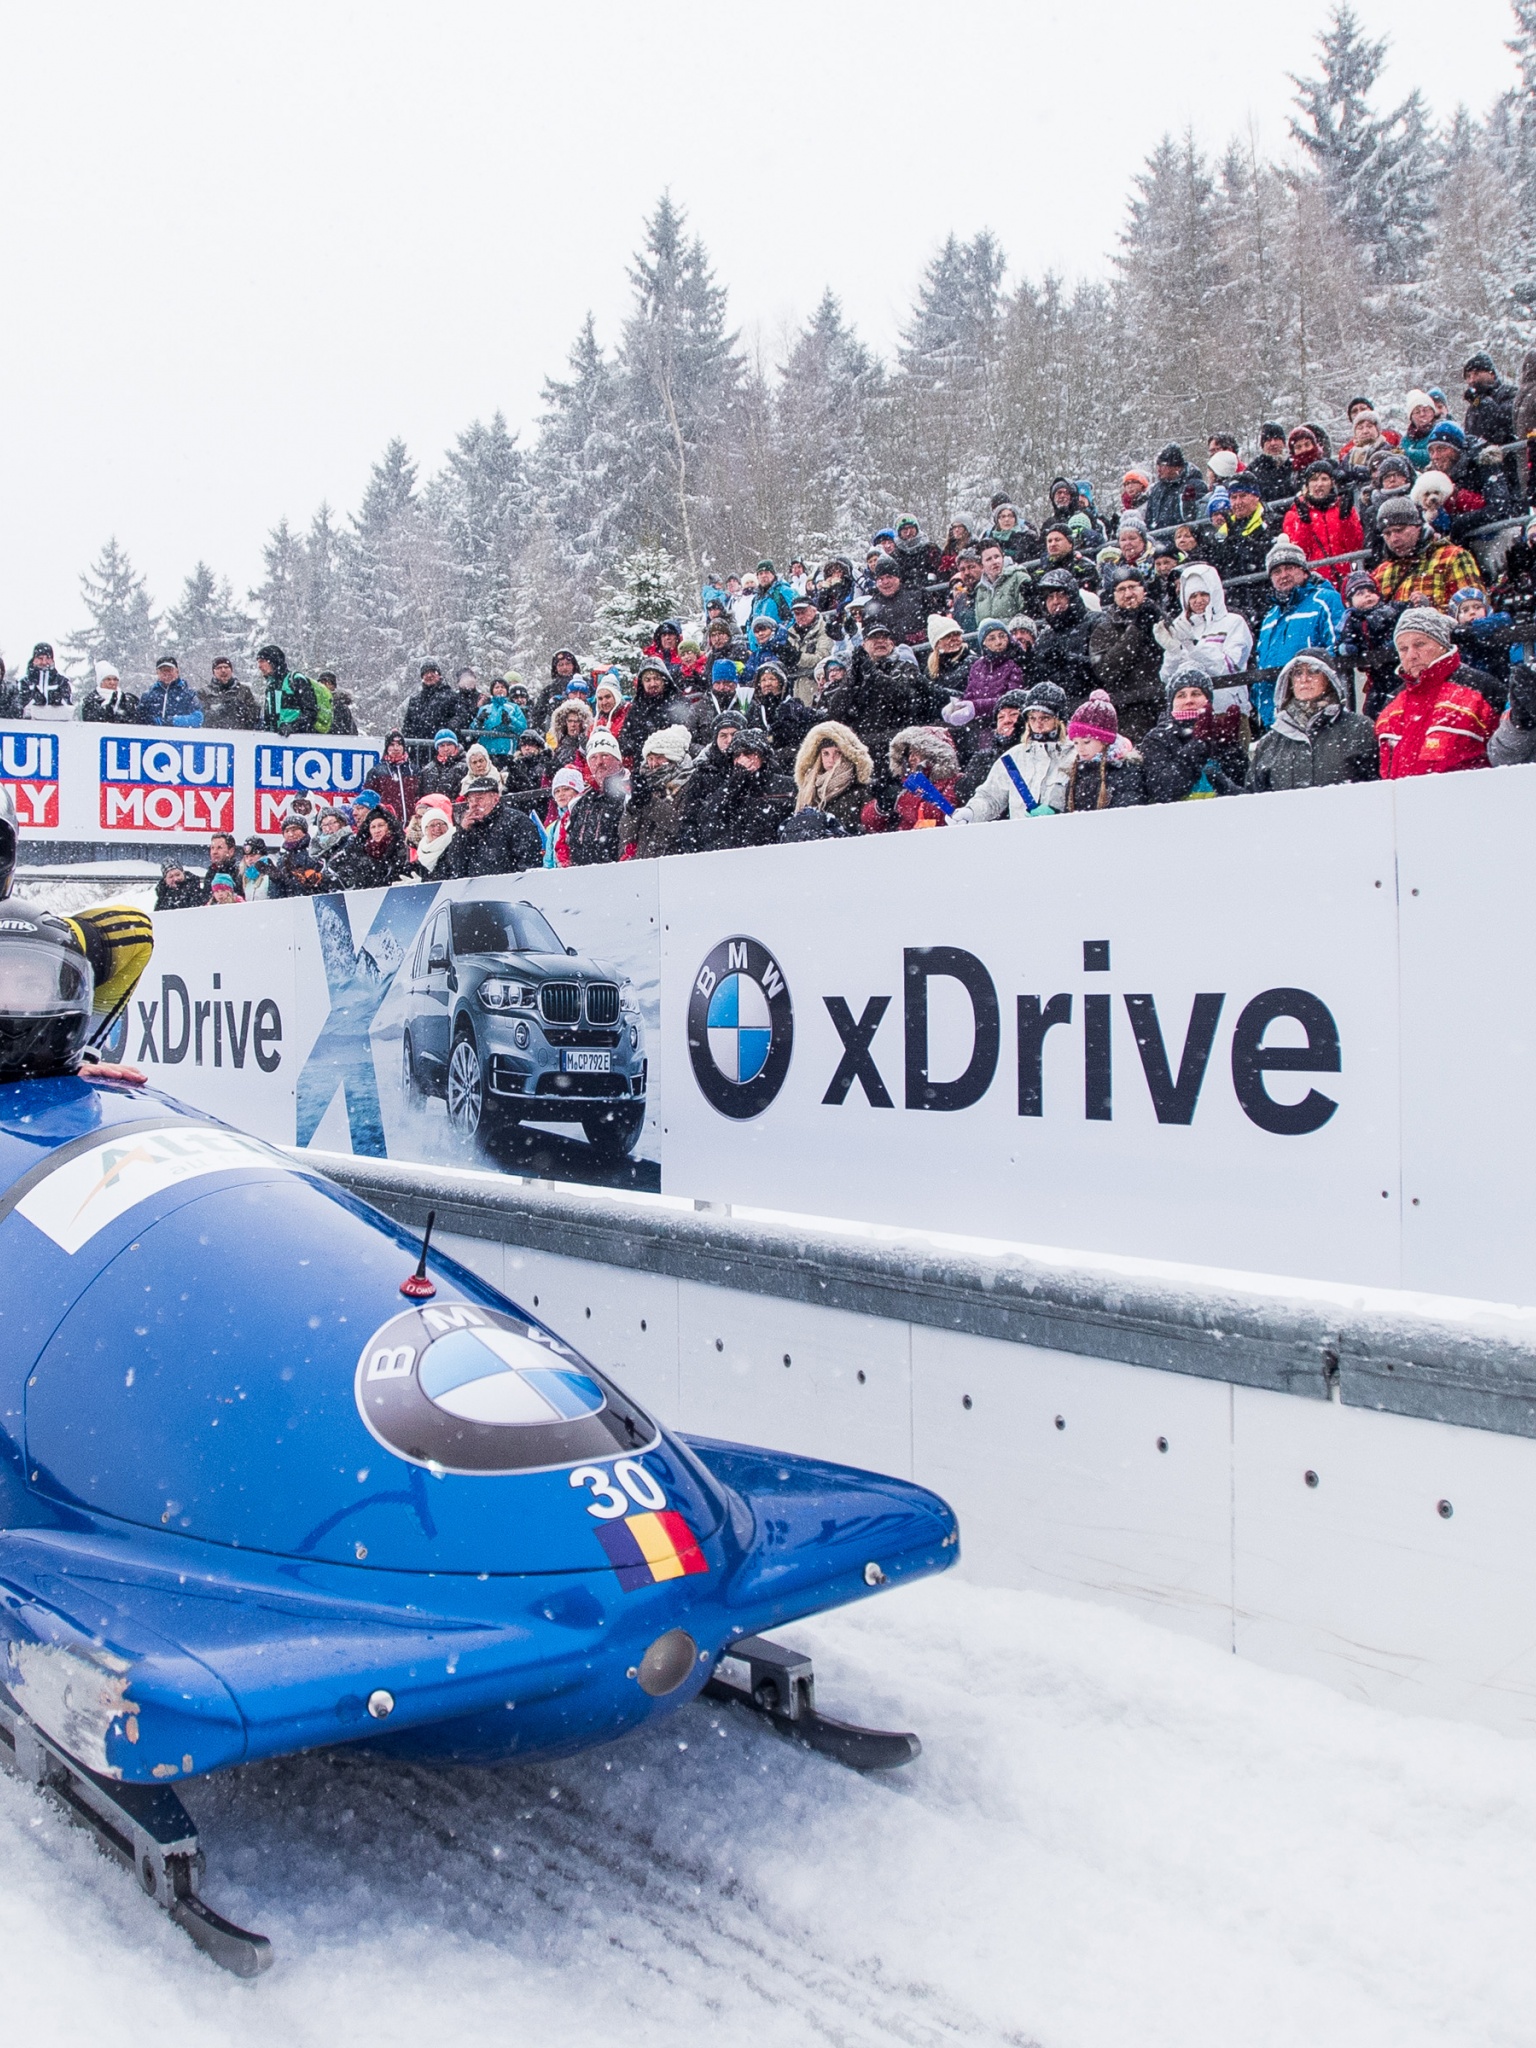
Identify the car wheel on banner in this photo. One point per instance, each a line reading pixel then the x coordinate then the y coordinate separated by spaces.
pixel 466 1088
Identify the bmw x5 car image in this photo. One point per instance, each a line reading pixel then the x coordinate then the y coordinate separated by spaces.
pixel 508 1025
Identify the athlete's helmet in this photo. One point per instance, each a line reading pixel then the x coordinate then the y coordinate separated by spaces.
pixel 7 841
pixel 47 992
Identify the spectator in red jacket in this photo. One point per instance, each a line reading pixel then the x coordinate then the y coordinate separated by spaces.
pixel 1323 521
pixel 1434 724
pixel 395 779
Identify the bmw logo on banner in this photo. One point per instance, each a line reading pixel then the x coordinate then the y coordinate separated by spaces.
pixel 741 1028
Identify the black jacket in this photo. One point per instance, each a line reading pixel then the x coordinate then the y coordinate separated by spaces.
pixel 1171 504
pixel 186 894
pixel 592 832
pixel 354 867
pixel 919 562
pixel 505 843
pixel 442 778
pixel 121 708
pixel 1177 752
pixel 648 715
pixel 230 707
pixel 1236 553
pixel 1126 664
pixel 880 697
pixel 786 721
pixel 432 710
pixel 905 614
pixel 298 871
pixel 1061 651
pixel 747 809
pixel 1104 785
pixel 44 686
pixel 1491 415
pixel 1274 477
pixel 1365 642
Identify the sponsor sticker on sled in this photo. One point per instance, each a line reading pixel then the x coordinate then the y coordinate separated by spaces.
pixel 97 1186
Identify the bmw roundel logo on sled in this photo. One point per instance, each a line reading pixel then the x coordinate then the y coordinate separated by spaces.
pixel 741 1028
pixel 464 1389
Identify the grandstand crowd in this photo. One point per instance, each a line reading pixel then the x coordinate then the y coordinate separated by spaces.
pixel 1288 615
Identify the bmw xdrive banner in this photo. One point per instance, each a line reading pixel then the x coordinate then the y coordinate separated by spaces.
pixel 1246 1033
pixel 508 1023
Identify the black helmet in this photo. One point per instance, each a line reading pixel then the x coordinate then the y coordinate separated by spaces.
pixel 47 991
pixel 7 840
pixel 1046 697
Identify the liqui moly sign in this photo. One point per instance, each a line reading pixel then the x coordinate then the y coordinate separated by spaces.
pixel 325 773
pixel 181 787
pixel 29 768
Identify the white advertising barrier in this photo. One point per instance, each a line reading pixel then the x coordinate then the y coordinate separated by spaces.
pixel 100 783
pixel 1227 1033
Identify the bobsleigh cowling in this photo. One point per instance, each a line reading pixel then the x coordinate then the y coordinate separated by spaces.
pixel 255 1499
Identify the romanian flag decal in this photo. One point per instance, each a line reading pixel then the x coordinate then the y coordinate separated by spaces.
pixel 645 1549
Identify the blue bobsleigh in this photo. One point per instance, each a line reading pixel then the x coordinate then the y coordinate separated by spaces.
pixel 268 1481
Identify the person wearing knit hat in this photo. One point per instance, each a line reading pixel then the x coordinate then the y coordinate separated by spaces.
pixel 1193 751
pixel 1223 465
pixel 1419 566
pixel 1425 620
pixel 1307 612
pixel 1422 415
pixel 604 755
pixel 177 890
pixel 659 786
pixel 109 703
pixel 1101 774
pixel 1436 724
pixel 670 744
pixel 1095 719
pixel 1022 772
pixel 1365 640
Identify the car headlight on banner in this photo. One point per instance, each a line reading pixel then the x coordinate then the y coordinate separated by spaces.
pixel 498 994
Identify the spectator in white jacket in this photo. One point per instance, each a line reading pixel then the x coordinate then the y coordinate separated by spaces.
pixel 1030 779
pixel 1208 635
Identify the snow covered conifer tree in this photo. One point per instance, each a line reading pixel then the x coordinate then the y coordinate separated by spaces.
pixel 1378 171
pixel 577 470
pixel 123 626
pixel 1174 291
pixel 647 588
pixel 681 381
pixel 205 623
pixel 943 422
pixel 826 405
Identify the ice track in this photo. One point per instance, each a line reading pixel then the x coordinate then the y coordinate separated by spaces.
pixel 1116 1839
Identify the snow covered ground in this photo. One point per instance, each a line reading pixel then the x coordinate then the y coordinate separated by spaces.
pixel 1116 1838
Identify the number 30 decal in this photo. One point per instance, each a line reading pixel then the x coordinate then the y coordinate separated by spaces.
pixel 607 1502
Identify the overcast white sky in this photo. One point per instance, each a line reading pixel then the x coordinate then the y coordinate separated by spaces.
pixel 241 246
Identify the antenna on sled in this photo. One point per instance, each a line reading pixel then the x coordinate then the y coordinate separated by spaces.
pixel 418 1287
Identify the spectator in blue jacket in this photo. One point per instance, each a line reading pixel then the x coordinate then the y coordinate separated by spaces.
pixel 768 640
pixel 170 700
pixel 1307 612
pixel 772 594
